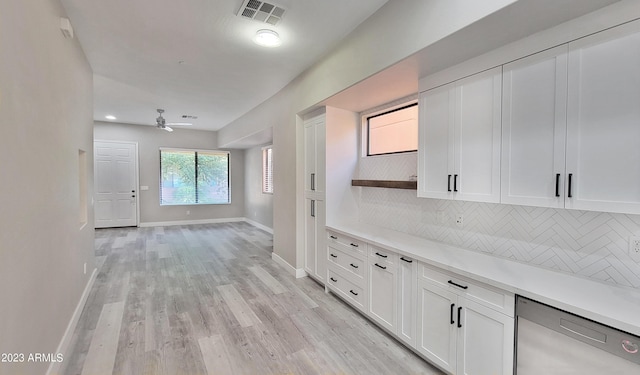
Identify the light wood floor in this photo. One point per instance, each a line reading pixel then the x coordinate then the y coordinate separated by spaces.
pixel 208 299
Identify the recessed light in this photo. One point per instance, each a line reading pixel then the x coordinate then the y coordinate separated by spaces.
pixel 267 38
pixel 110 117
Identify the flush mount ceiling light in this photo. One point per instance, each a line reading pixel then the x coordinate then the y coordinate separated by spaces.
pixel 110 117
pixel 267 38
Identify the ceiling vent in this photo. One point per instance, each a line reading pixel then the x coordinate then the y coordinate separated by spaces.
pixel 190 117
pixel 261 11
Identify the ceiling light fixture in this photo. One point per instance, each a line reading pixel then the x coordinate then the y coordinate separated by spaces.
pixel 267 38
pixel 110 117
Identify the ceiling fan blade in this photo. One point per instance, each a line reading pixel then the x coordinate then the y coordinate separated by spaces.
pixel 179 123
pixel 167 128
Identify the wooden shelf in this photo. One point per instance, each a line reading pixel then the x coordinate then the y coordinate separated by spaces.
pixel 411 185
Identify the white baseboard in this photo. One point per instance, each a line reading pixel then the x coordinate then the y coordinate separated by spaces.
pixel 190 222
pixel 296 272
pixel 63 347
pixel 258 225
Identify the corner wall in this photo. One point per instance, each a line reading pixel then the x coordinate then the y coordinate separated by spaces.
pixel 258 205
pixel 149 141
pixel 46 107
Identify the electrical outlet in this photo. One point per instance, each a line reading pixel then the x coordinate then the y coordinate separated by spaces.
pixel 634 248
pixel 188 212
pixel 459 220
pixel 85 268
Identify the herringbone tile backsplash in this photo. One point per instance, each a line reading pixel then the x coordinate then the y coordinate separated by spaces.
pixel 584 243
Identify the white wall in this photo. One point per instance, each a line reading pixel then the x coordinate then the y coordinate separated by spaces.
pixel 400 28
pixel 258 206
pixel 149 140
pixel 46 111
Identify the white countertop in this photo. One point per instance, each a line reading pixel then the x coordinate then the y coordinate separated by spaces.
pixel 614 306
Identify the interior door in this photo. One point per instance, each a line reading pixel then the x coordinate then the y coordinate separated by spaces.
pixel 115 166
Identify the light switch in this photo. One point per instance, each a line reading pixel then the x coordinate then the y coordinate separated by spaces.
pixel 143 187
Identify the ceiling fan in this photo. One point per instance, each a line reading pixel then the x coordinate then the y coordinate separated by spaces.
pixel 161 123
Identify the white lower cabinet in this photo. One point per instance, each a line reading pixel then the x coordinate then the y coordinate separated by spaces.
pixel 462 336
pixel 383 293
pixel 407 299
pixel 462 326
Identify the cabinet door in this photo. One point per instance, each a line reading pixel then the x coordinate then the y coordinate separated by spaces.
pixel 485 341
pixel 534 97
pixel 435 147
pixel 310 236
pixel 309 155
pixel 382 294
pixel 437 325
pixel 407 296
pixel 603 121
pixel 477 133
pixel 320 243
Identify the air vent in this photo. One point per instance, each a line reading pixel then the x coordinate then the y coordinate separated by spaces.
pixel 261 11
pixel 190 117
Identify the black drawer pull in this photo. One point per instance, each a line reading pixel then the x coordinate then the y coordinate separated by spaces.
pixel 557 184
pixel 379 266
pixel 333 255
pixel 354 244
pixel 406 260
pixel 570 194
pixel 381 255
pixel 455 182
pixel 352 292
pixel 459 322
pixel 334 280
pixel 458 285
pixel 334 237
pixel 452 306
pixel 449 183
pixel 353 265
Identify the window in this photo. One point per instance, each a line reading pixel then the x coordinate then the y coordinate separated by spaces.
pixel 267 170
pixel 393 131
pixel 194 177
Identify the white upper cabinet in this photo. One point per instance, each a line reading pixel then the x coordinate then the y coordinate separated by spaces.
pixel 534 97
pixel 314 154
pixel 603 121
pixel 459 132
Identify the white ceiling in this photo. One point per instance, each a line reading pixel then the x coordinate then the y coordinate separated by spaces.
pixel 196 57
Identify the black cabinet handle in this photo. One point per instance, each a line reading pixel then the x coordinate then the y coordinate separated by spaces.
pixel 569 184
pixel 313 208
pixel 379 266
pixel 459 322
pixel 334 237
pixel 353 265
pixel 455 182
pixel 458 285
pixel 354 244
pixel 313 181
pixel 406 260
pixel 352 292
pixel 333 255
pixel 381 255
pixel 452 306
pixel 449 183
pixel 332 279
pixel 557 184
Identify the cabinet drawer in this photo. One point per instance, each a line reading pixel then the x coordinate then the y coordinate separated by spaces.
pixel 346 242
pixel 346 289
pixel 494 298
pixel 377 254
pixel 346 261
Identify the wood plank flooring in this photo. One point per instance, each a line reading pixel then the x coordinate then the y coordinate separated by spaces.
pixel 208 299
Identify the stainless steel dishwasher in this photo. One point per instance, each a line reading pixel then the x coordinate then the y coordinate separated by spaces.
pixel 553 342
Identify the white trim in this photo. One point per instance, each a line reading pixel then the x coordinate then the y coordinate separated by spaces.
pixel 258 225
pixel 191 222
pixel 63 347
pixel 296 272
